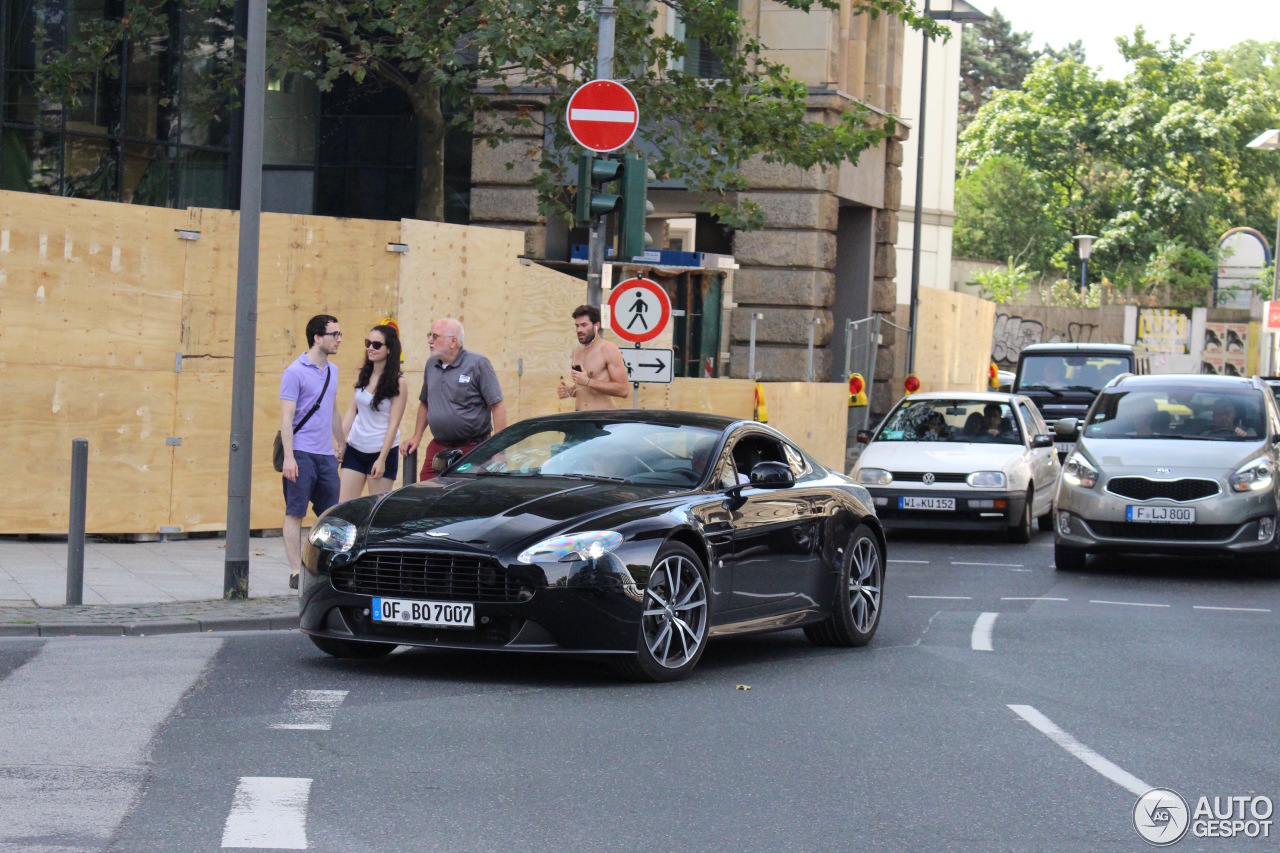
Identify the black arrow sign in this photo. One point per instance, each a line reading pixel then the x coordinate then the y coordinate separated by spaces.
pixel 656 365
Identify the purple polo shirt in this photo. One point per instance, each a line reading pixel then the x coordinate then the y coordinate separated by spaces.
pixel 301 383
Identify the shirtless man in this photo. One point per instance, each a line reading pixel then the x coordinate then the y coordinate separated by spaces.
pixel 598 373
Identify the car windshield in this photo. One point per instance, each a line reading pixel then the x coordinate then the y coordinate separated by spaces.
pixel 1187 412
pixel 1069 372
pixel 957 420
pixel 658 454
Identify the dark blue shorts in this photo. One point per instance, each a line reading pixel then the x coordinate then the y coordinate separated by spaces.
pixel 317 484
pixel 361 462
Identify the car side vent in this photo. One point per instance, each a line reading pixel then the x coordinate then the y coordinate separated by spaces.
pixel 1142 489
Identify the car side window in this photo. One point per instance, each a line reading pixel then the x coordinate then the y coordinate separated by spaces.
pixel 795 459
pixel 750 450
pixel 1033 420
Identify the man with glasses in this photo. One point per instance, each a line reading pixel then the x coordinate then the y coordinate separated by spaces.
pixel 461 400
pixel 311 432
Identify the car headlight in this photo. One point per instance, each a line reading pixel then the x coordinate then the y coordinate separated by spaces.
pixel 1078 471
pixel 333 534
pixel 874 477
pixel 987 480
pixel 1253 477
pixel 589 545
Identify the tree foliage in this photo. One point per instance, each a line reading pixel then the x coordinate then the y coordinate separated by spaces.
pixel 1155 166
pixel 454 59
pixel 1000 211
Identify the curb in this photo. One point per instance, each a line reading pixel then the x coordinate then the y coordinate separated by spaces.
pixel 146 629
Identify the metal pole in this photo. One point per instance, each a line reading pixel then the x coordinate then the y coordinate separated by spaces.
pixel 751 347
pixel 235 573
pixel 808 370
pixel 635 400
pixel 598 233
pixel 848 347
pixel 871 374
pixel 75 523
pixel 919 211
pixel 1084 273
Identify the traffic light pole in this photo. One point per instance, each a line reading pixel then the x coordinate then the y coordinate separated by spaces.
pixel 599 226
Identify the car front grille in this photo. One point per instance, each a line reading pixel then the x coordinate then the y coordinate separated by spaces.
pixel 1173 532
pixel 918 477
pixel 433 575
pixel 1142 489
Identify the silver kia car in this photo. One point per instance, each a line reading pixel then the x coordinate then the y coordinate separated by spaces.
pixel 1171 465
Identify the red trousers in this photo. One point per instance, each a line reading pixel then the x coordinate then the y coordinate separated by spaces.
pixel 434 447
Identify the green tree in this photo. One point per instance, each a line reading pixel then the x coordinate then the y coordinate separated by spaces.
pixel 992 56
pixel 1000 214
pixel 453 61
pixel 1003 286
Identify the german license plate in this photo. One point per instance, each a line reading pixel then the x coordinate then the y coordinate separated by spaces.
pixel 927 503
pixel 1162 514
pixel 437 614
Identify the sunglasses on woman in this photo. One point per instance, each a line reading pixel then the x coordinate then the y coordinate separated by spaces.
pixel 374 345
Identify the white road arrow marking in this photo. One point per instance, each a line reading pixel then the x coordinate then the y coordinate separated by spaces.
pixel 1121 777
pixel 311 709
pixel 981 638
pixel 268 811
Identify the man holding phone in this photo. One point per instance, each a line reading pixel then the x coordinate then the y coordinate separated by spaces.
pixel 598 374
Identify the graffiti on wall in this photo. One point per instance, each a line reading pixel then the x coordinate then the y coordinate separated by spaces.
pixel 1166 330
pixel 1012 333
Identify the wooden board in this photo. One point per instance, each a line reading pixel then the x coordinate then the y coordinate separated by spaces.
pixel 812 414
pixel 126 416
pixel 953 341
pixel 734 398
pixel 89 284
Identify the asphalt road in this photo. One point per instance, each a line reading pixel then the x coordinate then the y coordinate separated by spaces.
pixel 1096 686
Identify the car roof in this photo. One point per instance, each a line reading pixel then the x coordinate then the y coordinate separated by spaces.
pixel 1108 349
pixel 648 416
pixel 981 396
pixel 1173 380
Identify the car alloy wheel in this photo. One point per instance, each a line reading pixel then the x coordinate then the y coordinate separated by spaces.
pixel 855 608
pixel 673 627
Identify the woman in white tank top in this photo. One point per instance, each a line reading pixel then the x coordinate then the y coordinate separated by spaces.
pixel 372 421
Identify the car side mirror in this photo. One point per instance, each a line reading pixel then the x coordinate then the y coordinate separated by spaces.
pixel 1042 441
pixel 772 475
pixel 863 436
pixel 445 458
pixel 1067 429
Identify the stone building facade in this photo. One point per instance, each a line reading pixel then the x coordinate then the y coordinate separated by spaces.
pixel 827 249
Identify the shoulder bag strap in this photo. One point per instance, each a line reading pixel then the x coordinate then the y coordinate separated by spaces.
pixel 319 400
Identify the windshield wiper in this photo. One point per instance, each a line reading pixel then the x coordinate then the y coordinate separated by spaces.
pixel 601 477
pixel 484 472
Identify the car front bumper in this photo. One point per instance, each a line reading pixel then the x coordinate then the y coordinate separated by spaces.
pixel 974 509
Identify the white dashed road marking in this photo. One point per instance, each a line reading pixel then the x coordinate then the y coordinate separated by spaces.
pixel 1233 609
pixel 944 597
pixel 1032 598
pixel 996 565
pixel 918 562
pixel 981 639
pixel 311 709
pixel 268 811
pixel 1127 603
pixel 1116 774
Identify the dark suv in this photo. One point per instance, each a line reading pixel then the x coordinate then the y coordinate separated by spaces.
pixel 1063 380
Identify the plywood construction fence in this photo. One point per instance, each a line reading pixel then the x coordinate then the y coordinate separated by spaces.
pixel 953 340
pixel 117 327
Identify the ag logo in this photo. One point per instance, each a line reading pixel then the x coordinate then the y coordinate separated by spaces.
pixel 928 479
pixel 1161 817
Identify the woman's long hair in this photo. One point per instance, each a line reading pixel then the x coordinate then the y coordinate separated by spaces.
pixel 389 382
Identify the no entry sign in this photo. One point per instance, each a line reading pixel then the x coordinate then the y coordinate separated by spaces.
pixel 639 310
pixel 603 115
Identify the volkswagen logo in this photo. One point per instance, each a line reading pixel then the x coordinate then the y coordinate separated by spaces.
pixel 928 479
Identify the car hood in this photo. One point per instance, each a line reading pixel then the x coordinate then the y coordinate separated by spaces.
pixel 1178 456
pixel 490 513
pixel 939 457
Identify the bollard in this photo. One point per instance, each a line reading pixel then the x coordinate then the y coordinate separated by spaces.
pixel 75 523
pixel 410 463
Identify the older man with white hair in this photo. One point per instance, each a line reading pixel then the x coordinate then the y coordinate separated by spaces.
pixel 461 400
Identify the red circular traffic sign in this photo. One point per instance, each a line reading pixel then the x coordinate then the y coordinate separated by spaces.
pixel 602 115
pixel 639 310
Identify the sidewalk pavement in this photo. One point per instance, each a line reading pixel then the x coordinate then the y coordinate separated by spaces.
pixel 140 588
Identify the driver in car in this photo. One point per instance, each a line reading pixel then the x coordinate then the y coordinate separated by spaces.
pixel 995 424
pixel 1226 419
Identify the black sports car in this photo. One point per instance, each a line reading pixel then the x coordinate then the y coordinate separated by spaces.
pixel 636 534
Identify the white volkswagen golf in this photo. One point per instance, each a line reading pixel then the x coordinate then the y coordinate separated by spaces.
pixel 962 461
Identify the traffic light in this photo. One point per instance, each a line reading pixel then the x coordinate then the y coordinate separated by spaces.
pixel 635 208
pixel 911 384
pixel 857 390
pixel 593 174
pixel 993 377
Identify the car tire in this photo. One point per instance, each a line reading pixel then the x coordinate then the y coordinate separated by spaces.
pixel 1068 559
pixel 1021 532
pixel 677 607
pixel 855 606
pixel 1045 522
pixel 352 648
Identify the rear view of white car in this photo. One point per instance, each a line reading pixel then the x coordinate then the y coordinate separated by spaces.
pixel 981 461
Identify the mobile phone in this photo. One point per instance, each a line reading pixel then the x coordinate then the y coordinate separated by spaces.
pixel 577 367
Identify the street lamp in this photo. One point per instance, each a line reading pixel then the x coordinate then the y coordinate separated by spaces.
pixel 947 10
pixel 1084 242
pixel 1270 140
